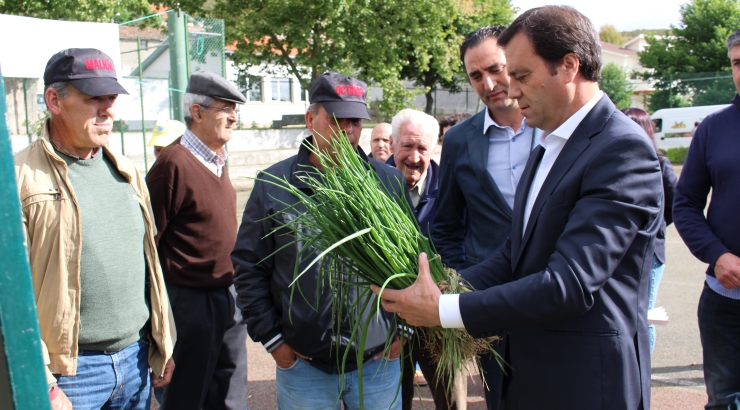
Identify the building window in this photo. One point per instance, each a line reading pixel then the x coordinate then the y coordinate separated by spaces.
pixel 280 89
pixel 250 86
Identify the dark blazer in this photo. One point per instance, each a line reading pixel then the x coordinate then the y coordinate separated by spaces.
pixel 573 291
pixel 426 208
pixel 473 219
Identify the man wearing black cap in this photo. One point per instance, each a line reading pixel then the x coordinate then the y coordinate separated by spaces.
pixel 194 207
pixel 103 309
pixel 301 335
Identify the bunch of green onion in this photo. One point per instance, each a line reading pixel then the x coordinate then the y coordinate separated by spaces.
pixel 369 235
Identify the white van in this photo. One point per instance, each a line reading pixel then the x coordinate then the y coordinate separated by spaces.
pixel 674 127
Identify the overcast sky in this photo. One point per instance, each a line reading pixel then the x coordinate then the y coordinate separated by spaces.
pixel 622 14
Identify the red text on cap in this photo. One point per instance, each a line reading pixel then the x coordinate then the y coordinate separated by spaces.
pixel 98 64
pixel 349 89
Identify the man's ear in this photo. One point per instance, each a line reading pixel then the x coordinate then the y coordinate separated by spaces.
pixel 196 111
pixel 53 99
pixel 569 66
pixel 309 121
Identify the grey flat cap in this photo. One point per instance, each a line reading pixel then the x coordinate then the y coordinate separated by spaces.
pixel 213 85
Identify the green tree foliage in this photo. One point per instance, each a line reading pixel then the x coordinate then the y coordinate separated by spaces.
pixel 304 38
pixel 630 34
pixel 608 33
pixel 78 10
pixel 697 47
pixel 615 83
pixel 381 41
pixel 677 155
pixel 433 54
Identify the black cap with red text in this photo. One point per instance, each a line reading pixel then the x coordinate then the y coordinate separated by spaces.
pixel 341 96
pixel 89 70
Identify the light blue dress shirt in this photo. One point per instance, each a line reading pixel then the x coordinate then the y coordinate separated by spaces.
pixel 508 151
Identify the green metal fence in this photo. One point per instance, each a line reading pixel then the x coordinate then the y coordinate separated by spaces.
pixel 689 89
pixel 161 61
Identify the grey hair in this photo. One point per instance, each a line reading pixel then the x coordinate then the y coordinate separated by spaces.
pixel 733 40
pixel 190 99
pixel 428 124
pixel 61 87
pixel 314 108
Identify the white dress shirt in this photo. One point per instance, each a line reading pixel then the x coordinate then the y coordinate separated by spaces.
pixel 449 305
pixel 418 190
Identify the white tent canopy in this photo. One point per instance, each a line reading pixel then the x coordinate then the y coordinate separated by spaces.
pixel 28 43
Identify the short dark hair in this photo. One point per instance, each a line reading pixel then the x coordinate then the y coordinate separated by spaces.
pixel 451 120
pixel 556 31
pixel 475 38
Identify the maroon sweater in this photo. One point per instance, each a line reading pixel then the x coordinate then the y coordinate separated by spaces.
pixel 195 214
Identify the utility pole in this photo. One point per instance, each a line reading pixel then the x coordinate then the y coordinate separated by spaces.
pixel 178 59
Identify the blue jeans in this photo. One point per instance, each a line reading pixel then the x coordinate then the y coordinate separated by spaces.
pixel 105 380
pixel 719 328
pixel 304 387
pixel 656 273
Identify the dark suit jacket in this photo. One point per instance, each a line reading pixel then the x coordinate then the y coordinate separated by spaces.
pixel 426 208
pixel 573 291
pixel 473 219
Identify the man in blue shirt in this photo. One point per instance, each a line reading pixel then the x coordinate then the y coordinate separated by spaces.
pixel 482 161
pixel 711 164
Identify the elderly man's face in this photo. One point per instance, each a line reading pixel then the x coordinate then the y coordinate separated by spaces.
pixel 214 125
pixel 542 97
pixel 325 127
pixel 380 141
pixel 86 120
pixel 735 61
pixel 485 65
pixel 412 153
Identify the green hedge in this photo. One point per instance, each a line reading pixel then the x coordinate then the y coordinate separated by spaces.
pixel 677 155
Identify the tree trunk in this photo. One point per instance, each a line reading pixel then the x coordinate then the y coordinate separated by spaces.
pixel 430 101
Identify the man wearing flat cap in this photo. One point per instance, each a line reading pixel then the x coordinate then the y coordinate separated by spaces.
pixel 194 208
pixel 103 310
pixel 304 340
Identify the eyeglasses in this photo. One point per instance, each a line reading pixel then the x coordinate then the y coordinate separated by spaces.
pixel 228 110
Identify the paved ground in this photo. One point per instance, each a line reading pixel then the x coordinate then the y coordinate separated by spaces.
pixel 677 379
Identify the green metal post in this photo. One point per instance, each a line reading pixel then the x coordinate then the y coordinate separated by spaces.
pixel 25 109
pixel 223 74
pixel 223 49
pixel 22 375
pixel 141 96
pixel 186 39
pixel 178 59
pixel 169 90
pixel 123 144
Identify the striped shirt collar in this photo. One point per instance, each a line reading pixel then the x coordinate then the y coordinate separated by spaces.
pixel 196 146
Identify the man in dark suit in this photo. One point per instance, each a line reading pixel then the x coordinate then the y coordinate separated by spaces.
pixel 570 284
pixel 482 161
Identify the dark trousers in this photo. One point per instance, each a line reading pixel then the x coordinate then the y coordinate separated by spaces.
pixel 494 377
pixel 429 369
pixel 210 354
pixel 719 329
